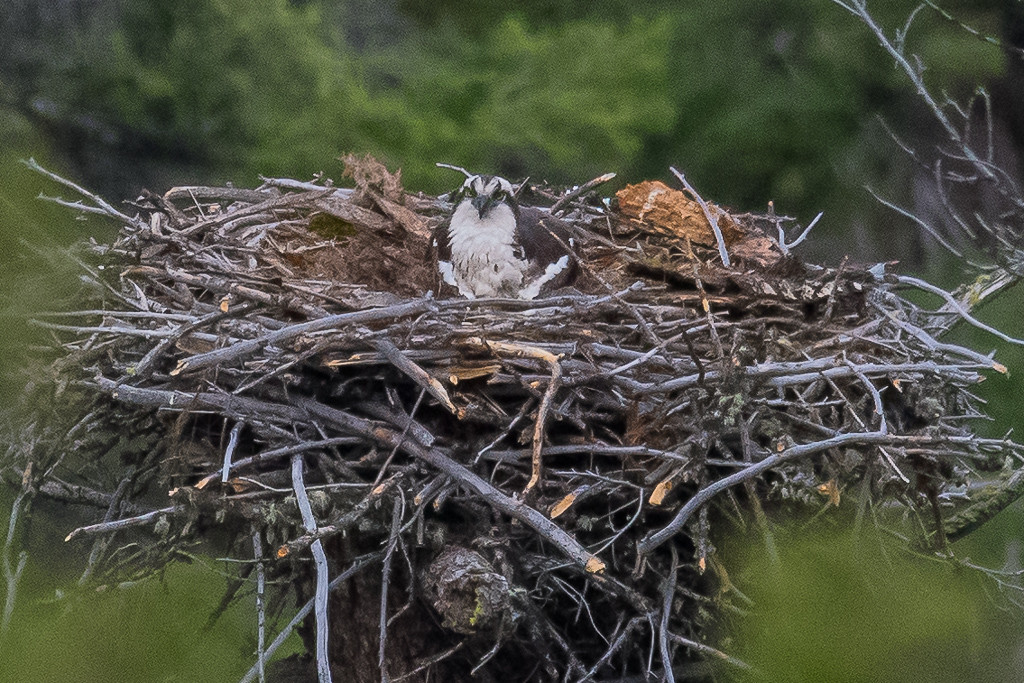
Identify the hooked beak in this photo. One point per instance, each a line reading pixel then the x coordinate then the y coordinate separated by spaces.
pixel 483 204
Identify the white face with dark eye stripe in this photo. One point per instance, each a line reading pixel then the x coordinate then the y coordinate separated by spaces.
pixel 485 259
pixel 493 187
pixel 489 250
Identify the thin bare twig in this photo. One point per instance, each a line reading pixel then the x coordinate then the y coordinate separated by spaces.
pixel 104 207
pixel 454 168
pixel 323 664
pixel 345 522
pixel 397 512
pixel 119 524
pixel 261 616
pixel 431 661
pixel 957 307
pixel 711 652
pixel 12 573
pixel 523 351
pixel 712 219
pixel 653 540
pixel 582 189
pixel 494 497
pixel 230 450
pixel 244 348
pixel 359 564
pixel 859 8
pixel 787 246
pixel 416 373
pixel 668 597
pixel 100 544
pixel 925 226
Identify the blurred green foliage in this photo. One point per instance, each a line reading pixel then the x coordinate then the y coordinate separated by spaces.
pixel 578 97
pixel 149 631
pixel 34 273
pixel 837 606
pixel 755 102
pixel 248 88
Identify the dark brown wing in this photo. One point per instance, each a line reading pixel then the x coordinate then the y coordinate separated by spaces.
pixel 441 257
pixel 545 239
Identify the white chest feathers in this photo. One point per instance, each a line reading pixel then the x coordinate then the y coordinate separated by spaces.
pixel 484 259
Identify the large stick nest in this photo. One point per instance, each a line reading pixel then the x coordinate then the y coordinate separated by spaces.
pixel 262 343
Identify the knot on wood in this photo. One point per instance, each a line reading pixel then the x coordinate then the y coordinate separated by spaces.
pixel 468 592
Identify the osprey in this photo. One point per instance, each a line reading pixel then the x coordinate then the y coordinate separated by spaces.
pixel 492 247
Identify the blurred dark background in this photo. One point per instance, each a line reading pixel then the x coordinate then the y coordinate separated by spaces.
pixel 776 101
pixel 753 101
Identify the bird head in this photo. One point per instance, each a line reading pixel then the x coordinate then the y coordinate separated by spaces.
pixel 485 192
